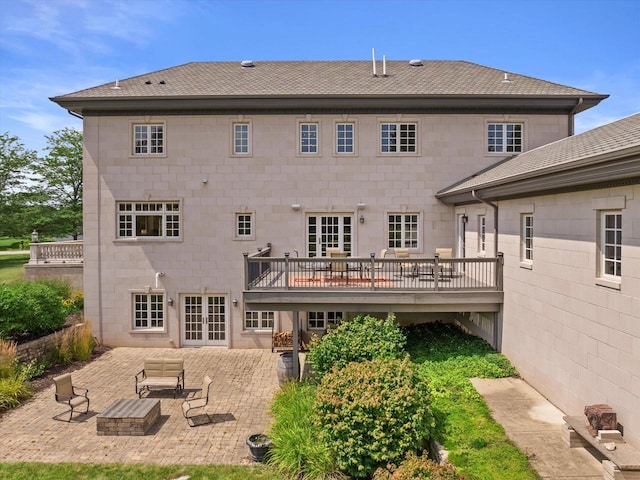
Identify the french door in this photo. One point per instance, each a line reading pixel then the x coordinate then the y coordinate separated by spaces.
pixel 204 320
pixel 327 231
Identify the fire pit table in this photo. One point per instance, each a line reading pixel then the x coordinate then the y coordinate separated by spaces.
pixel 128 416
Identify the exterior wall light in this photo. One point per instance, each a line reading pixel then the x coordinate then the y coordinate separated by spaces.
pixel 361 218
pixel 295 206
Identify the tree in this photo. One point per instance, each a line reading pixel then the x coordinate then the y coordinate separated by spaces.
pixel 60 178
pixel 15 162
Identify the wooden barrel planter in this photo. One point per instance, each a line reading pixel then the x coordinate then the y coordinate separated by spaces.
pixel 285 368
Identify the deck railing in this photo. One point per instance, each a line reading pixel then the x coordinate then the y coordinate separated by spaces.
pixel 263 272
pixel 57 252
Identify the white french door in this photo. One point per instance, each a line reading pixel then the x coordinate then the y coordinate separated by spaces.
pixel 204 320
pixel 327 231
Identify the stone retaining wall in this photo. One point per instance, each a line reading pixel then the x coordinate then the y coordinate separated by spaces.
pixel 40 347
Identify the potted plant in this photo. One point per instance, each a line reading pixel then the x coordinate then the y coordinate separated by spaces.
pixel 258 444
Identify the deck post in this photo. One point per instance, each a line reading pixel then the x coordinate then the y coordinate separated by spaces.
pixel 296 343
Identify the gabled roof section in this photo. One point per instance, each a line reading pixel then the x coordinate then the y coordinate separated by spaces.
pixel 610 153
pixel 215 83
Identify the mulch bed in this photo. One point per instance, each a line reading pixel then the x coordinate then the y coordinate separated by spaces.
pixel 46 380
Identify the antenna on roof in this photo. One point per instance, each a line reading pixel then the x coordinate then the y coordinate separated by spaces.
pixel 373 56
pixel 116 86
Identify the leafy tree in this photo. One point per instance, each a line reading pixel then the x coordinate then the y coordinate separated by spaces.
pixel 60 179
pixel 15 162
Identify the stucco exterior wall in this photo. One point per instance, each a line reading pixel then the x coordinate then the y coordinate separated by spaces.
pixel 575 341
pixel 208 259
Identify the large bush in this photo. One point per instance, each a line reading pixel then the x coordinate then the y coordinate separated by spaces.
pixel 372 413
pixel 362 338
pixel 29 309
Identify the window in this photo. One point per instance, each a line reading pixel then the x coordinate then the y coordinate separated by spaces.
pixel 398 137
pixel 504 137
pixel 308 138
pixel 482 231
pixel 258 320
pixel 526 237
pixel 148 139
pixel 241 139
pixel 148 311
pixel 323 320
pixel 148 219
pixel 328 231
pixel 244 225
pixel 345 138
pixel 403 230
pixel 611 245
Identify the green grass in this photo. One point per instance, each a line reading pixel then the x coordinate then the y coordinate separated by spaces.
pixel 77 471
pixel 7 243
pixel 12 267
pixel 477 445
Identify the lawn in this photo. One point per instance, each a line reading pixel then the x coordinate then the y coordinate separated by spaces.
pixel 12 267
pixel 77 471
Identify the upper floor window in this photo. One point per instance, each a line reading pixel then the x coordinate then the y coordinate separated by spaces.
pixel 345 138
pixel 244 225
pixel 398 137
pixel 482 231
pixel 611 244
pixel 241 140
pixel 308 138
pixel 148 311
pixel 403 230
pixel 505 137
pixel 148 139
pixel 258 320
pixel 148 219
pixel 526 238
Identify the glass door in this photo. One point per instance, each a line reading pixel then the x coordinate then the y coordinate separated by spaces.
pixel 204 320
pixel 329 231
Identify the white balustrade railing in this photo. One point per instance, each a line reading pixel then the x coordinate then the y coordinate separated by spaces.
pixel 57 252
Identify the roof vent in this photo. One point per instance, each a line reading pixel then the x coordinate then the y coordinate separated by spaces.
pixel 162 82
pixel 148 82
pixel 247 63
pixel 506 78
pixel 116 86
pixel 415 62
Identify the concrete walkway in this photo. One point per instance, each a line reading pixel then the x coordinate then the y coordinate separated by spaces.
pixel 244 384
pixel 535 426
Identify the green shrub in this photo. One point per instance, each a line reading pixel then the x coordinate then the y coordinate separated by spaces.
pixel 296 451
pixel 418 468
pixel 13 390
pixel 372 413
pixel 362 338
pixel 30 309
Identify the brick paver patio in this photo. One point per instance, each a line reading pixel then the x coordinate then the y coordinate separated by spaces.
pixel 244 382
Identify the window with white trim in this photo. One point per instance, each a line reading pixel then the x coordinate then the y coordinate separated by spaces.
pixel 241 139
pixel 258 320
pixel 403 230
pixel 148 311
pixel 244 225
pixel 329 231
pixel 505 137
pixel 482 232
pixel 148 139
pixel 398 137
pixel 345 138
pixel 611 245
pixel 148 219
pixel 526 238
pixel 308 138
pixel 323 320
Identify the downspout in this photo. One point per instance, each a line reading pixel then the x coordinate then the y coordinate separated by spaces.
pixel 74 114
pixel 572 114
pixel 495 221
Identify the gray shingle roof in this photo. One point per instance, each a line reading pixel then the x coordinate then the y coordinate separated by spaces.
pixel 327 78
pixel 563 154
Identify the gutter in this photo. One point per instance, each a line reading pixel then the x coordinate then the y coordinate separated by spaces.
pixel 74 114
pixel 495 220
pixel 572 116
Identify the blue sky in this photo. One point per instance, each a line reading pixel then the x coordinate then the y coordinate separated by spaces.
pixel 53 47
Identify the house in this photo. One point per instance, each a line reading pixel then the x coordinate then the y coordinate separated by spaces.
pixel 568 223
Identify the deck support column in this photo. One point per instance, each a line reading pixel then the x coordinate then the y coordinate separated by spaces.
pixel 296 344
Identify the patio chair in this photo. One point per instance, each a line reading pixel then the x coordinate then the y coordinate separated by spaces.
pixel 338 267
pixel 198 402
pixel 446 254
pixel 69 395
pixel 404 253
